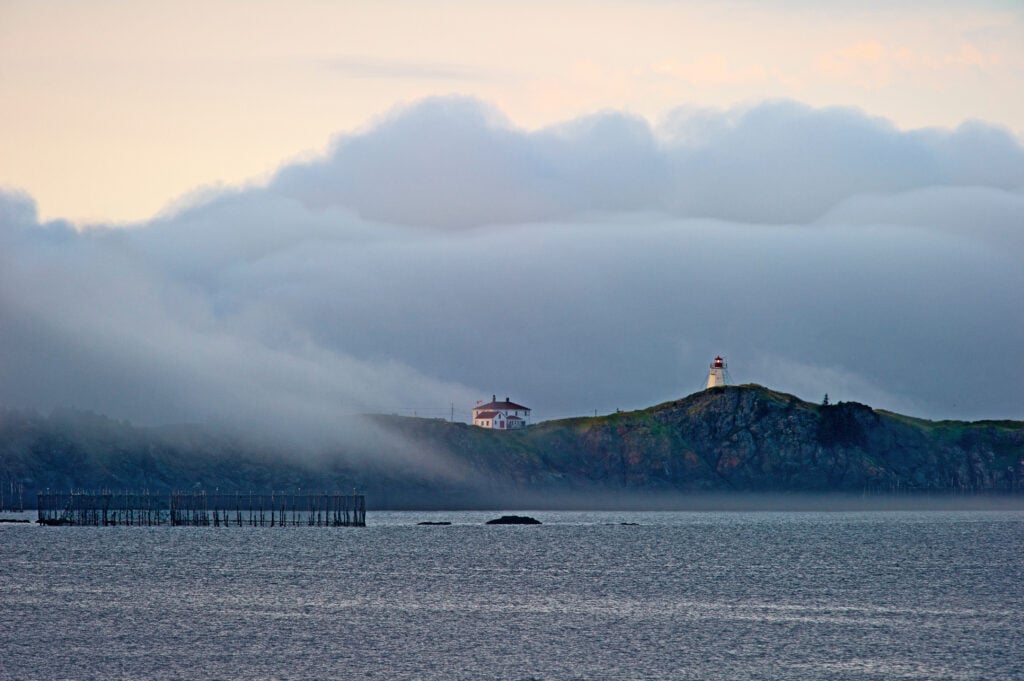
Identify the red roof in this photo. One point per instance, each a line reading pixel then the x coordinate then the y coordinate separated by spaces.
pixel 484 414
pixel 505 406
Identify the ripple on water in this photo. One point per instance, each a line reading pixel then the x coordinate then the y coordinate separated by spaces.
pixel 679 596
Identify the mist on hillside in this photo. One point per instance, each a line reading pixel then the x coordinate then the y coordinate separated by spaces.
pixel 444 255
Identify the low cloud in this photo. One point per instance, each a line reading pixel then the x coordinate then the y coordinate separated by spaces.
pixel 444 256
pixel 455 163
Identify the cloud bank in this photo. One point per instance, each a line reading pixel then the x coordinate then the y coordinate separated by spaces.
pixel 452 163
pixel 443 255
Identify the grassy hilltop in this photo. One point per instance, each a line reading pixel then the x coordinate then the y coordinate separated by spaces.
pixel 731 439
pixel 743 438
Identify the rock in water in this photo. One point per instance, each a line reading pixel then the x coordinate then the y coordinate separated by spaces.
pixel 514 520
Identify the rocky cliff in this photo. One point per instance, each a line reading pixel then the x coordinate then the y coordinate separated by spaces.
pixel 730 439
pixel 743 438
pixel 753 438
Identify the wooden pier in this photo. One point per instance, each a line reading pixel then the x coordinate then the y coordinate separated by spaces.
pixel 200 509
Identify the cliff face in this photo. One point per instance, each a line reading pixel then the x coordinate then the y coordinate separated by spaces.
pixel 752 438
pixel 730 439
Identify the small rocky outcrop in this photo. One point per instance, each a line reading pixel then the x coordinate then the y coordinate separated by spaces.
pixel 514 520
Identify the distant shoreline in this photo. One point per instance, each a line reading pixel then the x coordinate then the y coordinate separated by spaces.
pixel 738 502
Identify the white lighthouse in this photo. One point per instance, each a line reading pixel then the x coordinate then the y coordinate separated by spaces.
pixel 716 374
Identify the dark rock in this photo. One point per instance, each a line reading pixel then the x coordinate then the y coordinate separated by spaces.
pixel 514 520
pixel 732 439
pixel 434 522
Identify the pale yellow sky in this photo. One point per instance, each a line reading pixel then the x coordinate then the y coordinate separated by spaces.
pixel 109 110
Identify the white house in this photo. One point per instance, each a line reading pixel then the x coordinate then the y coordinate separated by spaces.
pixel 505 415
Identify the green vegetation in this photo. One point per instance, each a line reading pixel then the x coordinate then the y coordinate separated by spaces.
pixel 734 438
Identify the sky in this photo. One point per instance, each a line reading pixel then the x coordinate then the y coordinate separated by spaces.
pixel 112 109
pixel 279 213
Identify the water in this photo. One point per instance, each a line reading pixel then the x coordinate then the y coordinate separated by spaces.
pixel 900 595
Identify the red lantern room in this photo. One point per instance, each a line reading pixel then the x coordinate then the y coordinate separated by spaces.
pixel 719 363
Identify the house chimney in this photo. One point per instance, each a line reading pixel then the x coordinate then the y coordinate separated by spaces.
pixel 494 398
pixel 507 400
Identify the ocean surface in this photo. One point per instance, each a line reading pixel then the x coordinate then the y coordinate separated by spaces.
pixel 852 595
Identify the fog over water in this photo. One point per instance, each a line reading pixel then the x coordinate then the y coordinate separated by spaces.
pixel 443 255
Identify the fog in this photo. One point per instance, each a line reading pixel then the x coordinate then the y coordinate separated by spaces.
pixel 442 255
pixel 704 502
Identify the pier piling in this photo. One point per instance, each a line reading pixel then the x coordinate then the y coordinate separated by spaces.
pixel 200 509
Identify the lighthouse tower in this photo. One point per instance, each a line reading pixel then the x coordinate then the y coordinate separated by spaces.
pixel 716 375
